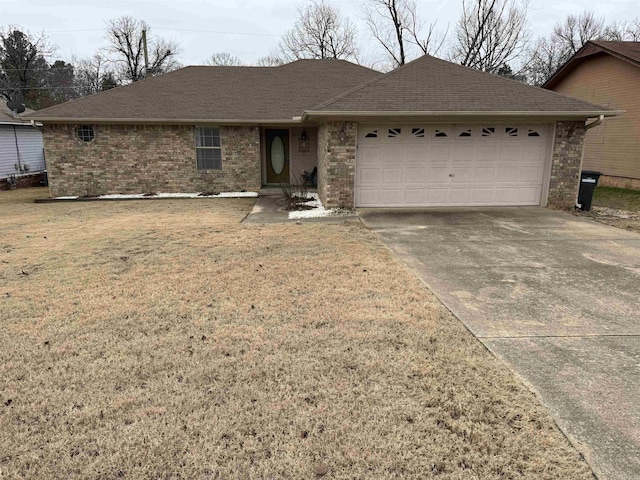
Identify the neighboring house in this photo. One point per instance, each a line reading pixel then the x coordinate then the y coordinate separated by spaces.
pixel 21 149
pixel 608 73
pixel 430 133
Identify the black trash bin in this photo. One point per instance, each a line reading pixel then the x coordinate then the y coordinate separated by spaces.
pixel 588 183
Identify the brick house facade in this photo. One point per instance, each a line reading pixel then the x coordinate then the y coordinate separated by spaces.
pixel 307 113
pixel 147 159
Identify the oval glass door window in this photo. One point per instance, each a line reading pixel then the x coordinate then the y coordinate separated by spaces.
pixel 277 155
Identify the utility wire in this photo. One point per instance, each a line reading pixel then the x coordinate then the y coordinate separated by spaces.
pixel 254 34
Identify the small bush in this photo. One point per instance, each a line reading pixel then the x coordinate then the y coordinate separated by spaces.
pixel 296 196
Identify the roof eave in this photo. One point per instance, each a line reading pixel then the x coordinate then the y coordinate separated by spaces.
pixel 168 121
pixel 556 114
pixel 578 58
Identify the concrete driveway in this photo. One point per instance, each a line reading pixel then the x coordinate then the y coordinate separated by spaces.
pixel 555 296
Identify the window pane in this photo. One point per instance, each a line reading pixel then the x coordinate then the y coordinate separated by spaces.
pixel 207 137
pixel 217 159
pixel 209 158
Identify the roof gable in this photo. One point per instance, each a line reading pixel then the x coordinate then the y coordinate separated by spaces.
pixel 204 93
pixel 429 84
pixel 626 51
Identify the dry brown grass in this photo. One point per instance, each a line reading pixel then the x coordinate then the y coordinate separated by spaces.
pixel 164 339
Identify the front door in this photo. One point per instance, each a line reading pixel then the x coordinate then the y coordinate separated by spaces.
pixel 277 141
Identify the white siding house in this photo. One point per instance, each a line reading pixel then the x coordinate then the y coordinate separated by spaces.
pixel 21 146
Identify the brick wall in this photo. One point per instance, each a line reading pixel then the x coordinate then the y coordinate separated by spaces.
pixel 147 158
pixel 337 163
pixel 566 163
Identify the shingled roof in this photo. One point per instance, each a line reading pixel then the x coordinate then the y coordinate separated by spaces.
pixel 284 94
pixel 7 117
pixel 626 51
pixel 431 85
pixel 231 94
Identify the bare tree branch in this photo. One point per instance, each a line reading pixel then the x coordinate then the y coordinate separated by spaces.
pixel 223 59
pixel 319 32
pixel 628 31
pixel 491 34
pixel 126 47
pixel 396 26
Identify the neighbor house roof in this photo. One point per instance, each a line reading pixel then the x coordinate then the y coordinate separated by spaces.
pixel 231 94
pixel 626 51
pixel 7 117
pixel 431 86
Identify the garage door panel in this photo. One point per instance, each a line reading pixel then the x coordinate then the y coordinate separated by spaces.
pixel 418 154
pixel 369 155
pixel 414 196
pixel 462 174
pixel 368 197
pixel 495 165
pixel 438 175
pixel 484 174
pixel 415 175
pixel 393 197
pixel 508 173
pixel 391 176
pixel 487 153
pixel 483 195
pixel 463 153
pixel 528 173
pixel 437 196
pixel 524 196
pixel 439 153
pixel 459 196
pixel 370 176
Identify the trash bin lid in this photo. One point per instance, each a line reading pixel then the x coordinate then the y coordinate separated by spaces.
pixel 591 173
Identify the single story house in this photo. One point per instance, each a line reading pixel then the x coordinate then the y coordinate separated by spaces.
pixel 21 149
pixel 607 73
pixel 430 133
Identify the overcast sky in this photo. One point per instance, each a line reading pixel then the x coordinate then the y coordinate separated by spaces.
pixel 254 27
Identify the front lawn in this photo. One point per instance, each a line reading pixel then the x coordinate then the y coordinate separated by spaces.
pixel 165 339
pixel 618 207
pixel 618 198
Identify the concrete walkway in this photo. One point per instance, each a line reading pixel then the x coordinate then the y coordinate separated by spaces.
pixel 272 208
pixel 556 297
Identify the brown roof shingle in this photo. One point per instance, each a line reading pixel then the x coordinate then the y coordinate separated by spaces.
pixel 430 84
pixel 219 93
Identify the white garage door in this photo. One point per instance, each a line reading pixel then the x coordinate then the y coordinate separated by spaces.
pixel 450 165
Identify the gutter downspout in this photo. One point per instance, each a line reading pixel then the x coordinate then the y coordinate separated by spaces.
pixel 588 126
pixel 595 123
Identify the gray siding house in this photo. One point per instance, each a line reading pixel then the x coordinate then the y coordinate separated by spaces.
pixel 21 149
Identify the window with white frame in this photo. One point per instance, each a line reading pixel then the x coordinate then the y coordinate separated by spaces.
pixel 208 148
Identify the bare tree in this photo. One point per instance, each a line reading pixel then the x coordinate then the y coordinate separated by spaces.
pixel 223 59
pixel 576 30
pixel 93 75
pixel 547 55
pixel 125 36
pixel 272 60
pixel 628 31
pixel 320 32
pixel 491 33
pixel 396 27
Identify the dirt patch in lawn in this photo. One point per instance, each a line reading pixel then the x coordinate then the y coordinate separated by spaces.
pixel 149 339
pixel 618 207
